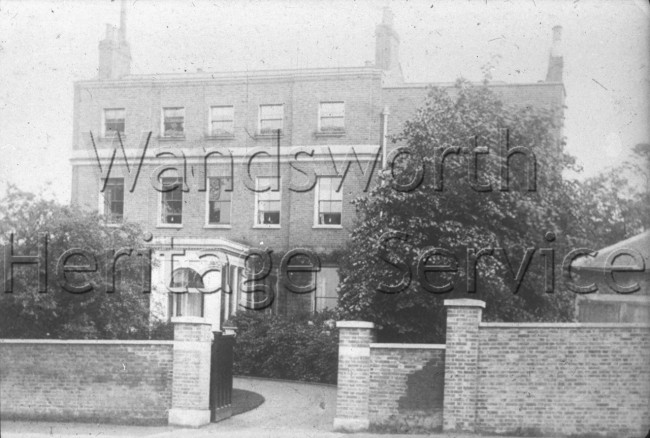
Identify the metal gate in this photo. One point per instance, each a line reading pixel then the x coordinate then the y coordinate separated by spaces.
pixel 221 377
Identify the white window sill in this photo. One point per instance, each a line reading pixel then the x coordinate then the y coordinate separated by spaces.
pixel 220 137
pixel 328 227
pixel 170 138
pixel 262 136
pixel 267 226
pixel 218 226
pixel 329 133
pixel 111 137
pixel 169 226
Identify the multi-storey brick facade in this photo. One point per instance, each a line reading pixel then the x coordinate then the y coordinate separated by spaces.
pixel 332 124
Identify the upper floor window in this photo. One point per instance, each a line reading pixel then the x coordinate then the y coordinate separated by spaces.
pixel 173 122
pixel 171 201
pixel 332 116
pixel 222 120
pixel 114 121
pixel 271 118
pixel 267 203
pixel 113 200
pixel 329 202
pixel 219 201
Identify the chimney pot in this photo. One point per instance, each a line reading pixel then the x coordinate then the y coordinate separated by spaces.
pixel 556 46
pixel 114 51
pixel 123 21
pixel 387 49
pixel 387 17
pixel 110 32
pixel 555 60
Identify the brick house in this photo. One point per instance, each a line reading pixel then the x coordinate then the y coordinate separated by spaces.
pixel 312 137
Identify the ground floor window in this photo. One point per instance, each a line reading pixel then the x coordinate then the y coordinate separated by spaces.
pixel 191 302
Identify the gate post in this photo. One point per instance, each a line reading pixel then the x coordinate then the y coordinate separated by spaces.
pixel 461 364
pixel 353 385
pixel 191 372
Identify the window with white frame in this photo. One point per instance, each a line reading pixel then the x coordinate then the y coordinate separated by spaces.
pixel 332 116
pixel 222 120
pixel 329 202
pixel 113 200
pixel 173 122
pixel 271 118
pixel 267 203
pixel 171 201
pixel 219 201
pixel 188 303
pixel 114 121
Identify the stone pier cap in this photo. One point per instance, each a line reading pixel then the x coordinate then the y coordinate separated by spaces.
pixel 465 302
pixel 355 324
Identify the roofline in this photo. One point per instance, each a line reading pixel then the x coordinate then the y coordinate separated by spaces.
pixel 197 243
pixel 281 74
pixel 596 263
pixel 235 76
pixel 490 84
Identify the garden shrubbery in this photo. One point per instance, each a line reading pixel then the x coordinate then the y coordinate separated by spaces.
pixel 301 348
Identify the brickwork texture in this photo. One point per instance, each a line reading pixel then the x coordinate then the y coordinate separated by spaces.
pixel 461 361
pixel 301 94
pixel 191 385
pixel 564 380
pixel 523 379
pixel 353 376
pixel 406 386
pixel 121 381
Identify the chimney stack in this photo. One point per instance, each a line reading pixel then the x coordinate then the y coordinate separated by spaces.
pixel 555 61
pixel 114 50
pixel 387 48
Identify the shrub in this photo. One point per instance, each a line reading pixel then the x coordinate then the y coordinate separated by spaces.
pixel 161 331
pixel 301 347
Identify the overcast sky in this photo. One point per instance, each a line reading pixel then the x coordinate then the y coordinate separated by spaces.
pixel 46 45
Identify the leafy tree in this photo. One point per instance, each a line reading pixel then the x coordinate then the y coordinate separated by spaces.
pixel 619 199
pixel 26 313
pixel 464 208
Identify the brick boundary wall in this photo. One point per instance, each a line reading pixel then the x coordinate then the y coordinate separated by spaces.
pixel 133 382
pixel 532 379
pixel 406 386
pixel 98 381
pixel 573 379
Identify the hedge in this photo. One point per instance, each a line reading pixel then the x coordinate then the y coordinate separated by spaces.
pixel 303 348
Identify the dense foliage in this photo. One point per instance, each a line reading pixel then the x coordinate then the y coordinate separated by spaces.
pixel 468 206
pixel 294 348
pixel 95 314
pixel 617 201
